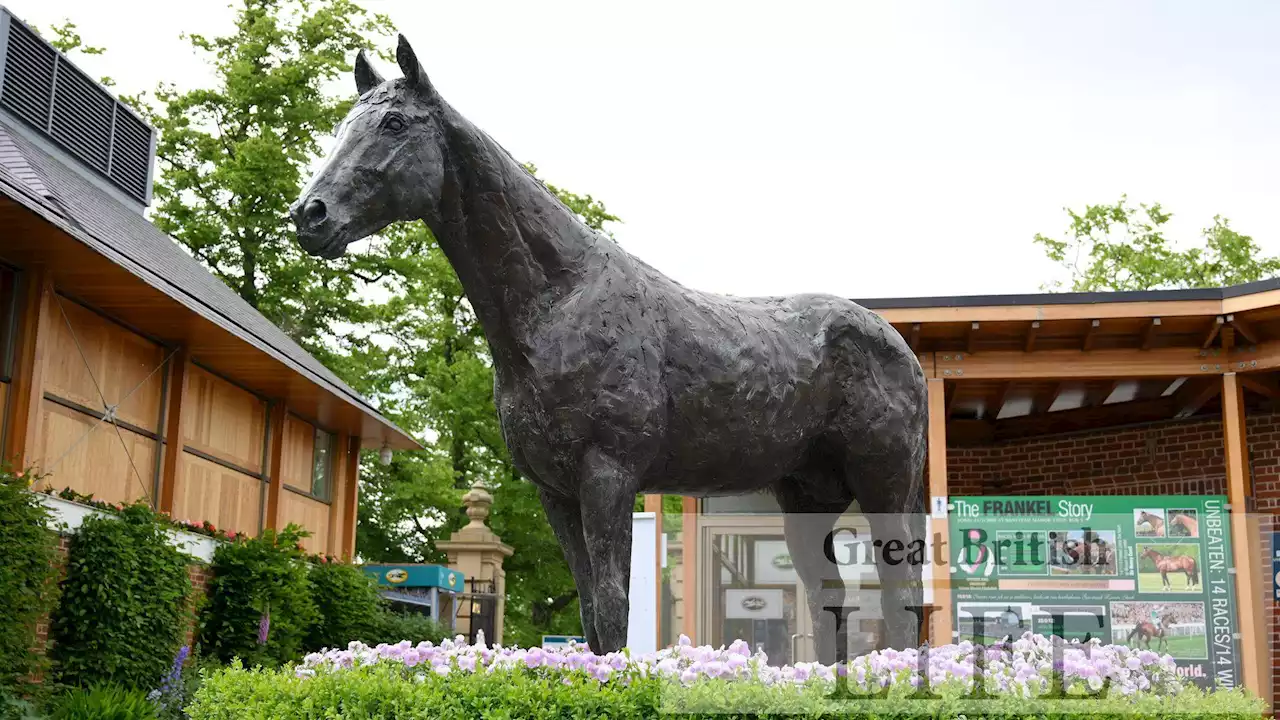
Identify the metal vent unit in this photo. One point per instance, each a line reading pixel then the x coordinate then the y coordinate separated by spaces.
pixel 40 87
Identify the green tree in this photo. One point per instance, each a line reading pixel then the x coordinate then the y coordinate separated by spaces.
pixel 1120 247
pixel 232 157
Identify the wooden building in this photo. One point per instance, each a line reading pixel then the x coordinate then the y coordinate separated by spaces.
pixel 1075 394
pixel 129 372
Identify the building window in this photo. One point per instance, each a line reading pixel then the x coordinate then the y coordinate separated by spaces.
pixel 8 321
pixel 322 465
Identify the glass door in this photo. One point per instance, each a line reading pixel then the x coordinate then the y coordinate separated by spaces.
pixel 749 588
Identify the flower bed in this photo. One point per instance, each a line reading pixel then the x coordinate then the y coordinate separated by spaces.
pixel 1032 676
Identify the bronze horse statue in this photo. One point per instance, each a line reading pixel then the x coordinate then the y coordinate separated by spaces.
pixel 612 379
pixel 1166 564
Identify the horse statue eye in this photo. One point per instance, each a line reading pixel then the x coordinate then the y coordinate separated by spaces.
pixel 393 123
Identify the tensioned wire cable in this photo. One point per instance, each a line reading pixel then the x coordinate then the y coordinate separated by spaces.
pixel 109 414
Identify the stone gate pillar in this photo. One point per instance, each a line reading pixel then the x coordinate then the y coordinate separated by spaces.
pixel 477 553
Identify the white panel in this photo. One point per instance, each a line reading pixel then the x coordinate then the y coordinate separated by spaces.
pixel 753 604
pixel 642 628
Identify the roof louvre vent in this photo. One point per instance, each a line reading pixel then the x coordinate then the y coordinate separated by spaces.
pixel 51 96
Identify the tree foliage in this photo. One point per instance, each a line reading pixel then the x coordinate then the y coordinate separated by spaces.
pixel 232 158
pixel 1122 247
pixel 390 319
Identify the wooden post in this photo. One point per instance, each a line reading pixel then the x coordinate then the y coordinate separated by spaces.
pixel 350 506
pixel 689 558
pixel 1244 542
pixel 338 471
pixel 941 627
pixel 653 504
pixel 275 466
pixel 28 383
pixel 174 431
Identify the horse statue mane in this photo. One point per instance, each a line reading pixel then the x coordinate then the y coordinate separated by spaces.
pixel 611 379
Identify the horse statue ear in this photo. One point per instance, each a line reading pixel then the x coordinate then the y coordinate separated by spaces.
pixel 366 77
pixel 411 68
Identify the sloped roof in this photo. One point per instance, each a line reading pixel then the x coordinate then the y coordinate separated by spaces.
pixel 34 178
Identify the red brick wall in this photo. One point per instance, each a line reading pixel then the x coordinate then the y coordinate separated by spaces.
pixel 1173 458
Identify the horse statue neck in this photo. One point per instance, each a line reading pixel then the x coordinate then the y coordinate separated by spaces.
pixel 516 248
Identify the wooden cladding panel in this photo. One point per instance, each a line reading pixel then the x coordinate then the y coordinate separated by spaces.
pixel 223 420
pixel 118 359
pixel 96 464
pixel 299 445
pixel 208 491
pixel 310 514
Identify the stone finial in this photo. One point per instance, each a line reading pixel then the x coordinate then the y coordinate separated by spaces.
pixel 477 502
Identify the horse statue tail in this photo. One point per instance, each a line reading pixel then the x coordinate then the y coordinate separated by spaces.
pixel 1195 574
pixel 1137 628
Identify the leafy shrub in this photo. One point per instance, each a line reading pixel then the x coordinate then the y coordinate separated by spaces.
pixel 259 605
pixel 532 690
pixel 27 577
pixel 348 605
pixel 394 626
pixel 105 702
pixel 124 606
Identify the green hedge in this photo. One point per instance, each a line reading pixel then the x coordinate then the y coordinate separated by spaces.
pixel 259 605
pixel 28 577
pixel 124 609
pixel 348 602
pixel 383 691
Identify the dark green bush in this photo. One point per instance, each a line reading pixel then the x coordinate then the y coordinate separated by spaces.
pixel 259 605
pixel 105 702
pixel 417 693
pixel 394 626
pixel 348 605
pixel 28 577
pixel 124 608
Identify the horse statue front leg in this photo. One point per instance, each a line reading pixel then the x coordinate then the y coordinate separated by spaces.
pixel 607 494
pixel 565 516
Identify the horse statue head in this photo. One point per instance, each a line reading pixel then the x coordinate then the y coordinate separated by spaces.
pixel 388 163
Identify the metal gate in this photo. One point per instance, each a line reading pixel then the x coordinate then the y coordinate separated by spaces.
pixel 483 597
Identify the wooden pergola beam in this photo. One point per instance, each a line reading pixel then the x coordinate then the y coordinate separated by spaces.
pixel 1032 330
pixel 941 631
pixel 1045 400
pixel 1194 395
pixel 1213 332
pixel 1078 365
pixel 1149 332
pixel 1262 385
pixel 951 313
pixel 914 339
pixel 1244 541
pixel 1090 334
pixel 1245 328
pixel 1254 358
pixel 992 406
pixel 1084 418
pixel 971 342
pixel 1098 395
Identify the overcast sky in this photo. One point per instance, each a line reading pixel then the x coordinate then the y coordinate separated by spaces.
pixel 864 149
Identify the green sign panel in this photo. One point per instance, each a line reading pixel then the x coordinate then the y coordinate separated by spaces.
pixel 1151 572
